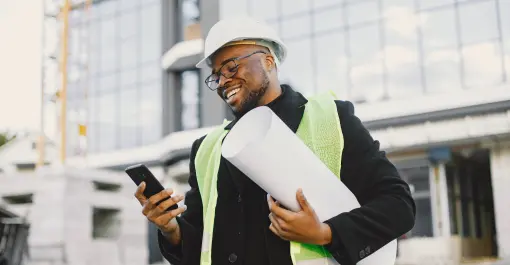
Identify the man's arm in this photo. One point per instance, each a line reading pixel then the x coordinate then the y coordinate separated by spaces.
pixel 387 209
pixel 187 252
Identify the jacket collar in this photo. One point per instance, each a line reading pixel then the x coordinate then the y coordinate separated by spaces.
pixel 289 107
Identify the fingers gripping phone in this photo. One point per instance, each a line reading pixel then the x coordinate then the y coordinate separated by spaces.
pixel 140 173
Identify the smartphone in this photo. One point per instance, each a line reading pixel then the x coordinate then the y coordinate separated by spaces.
pixel 139 173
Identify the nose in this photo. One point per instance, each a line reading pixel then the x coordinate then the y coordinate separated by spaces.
pixel 223 80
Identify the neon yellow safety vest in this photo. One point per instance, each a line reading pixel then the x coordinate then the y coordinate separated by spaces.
pixel 319 129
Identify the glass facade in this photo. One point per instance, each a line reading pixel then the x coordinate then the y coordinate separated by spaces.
pixel 114 75
pixel 189 12
pixel 190 99
pixel 373 50
pixel 419 181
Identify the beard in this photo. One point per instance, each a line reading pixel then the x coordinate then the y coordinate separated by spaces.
pixel 252 100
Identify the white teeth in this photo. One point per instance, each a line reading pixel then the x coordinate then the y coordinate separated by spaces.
pixel 233 92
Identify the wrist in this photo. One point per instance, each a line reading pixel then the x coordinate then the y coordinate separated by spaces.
pixel 326 234
pixel 173 235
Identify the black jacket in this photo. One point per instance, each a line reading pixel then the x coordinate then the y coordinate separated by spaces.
pixel 241 232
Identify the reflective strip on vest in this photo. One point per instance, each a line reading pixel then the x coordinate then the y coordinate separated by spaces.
pixel 319 129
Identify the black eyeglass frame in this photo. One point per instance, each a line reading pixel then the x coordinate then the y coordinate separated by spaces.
pixel 209 80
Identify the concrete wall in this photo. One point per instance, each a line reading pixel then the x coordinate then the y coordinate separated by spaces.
pixel 61 218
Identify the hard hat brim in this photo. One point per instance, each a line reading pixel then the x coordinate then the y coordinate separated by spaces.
pixel 202 63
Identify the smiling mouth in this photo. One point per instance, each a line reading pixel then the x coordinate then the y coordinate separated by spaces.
pixel 232 93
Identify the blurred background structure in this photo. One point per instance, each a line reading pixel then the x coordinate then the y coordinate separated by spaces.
pixel 430 79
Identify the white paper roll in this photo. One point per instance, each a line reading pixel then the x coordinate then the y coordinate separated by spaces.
pixel 270 154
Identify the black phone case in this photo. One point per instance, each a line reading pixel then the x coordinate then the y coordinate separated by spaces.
pixel 139 173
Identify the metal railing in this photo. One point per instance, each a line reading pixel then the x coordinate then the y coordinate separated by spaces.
pixel 13 241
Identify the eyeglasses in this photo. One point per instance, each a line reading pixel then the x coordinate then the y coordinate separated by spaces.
pixel 228 70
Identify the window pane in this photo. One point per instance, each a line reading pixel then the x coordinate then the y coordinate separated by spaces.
pixel 93 109
pixel 439 29
pixel 93 138
pixel 107 133
pixel 504 9
pixel 401 24
pixel 190 12
pixel 367 82
pixel 482 64
pixel 92 119
pixel 149 2
pixel 478 21
pixel 401 55
pixel 128 4
pixel 423 224
pixel 73 147
pixel 427 4
pixel 364 44
pixel 108 33
pixel 150 38
pixel 128 24
pixel 94 62
pixel 109 60
pixel 190 115
pixel 75 38
pixel 326 3
pixel 150 112
pixel 403 70
pixel 108 83
pixel 151 72
pixel 108 8
pixel 359 12
pixel 418 177
pixel 296 27
pixel 128 53
pixel 128 77
pixel 297 69
pixel 289 7
pixel 262 9
pixel 332 64
pixel 327 19
pixel 442 70
pixel 129 125
pixel 391 6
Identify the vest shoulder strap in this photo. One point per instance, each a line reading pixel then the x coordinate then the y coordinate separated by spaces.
pixel 210 144
pixel 321 131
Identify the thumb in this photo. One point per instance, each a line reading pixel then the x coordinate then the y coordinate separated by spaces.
pixel 303 202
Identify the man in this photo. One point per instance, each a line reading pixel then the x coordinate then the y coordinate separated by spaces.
pixel 249 227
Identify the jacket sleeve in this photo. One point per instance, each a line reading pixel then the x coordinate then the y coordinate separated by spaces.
pixel 190 223
pixel 387 209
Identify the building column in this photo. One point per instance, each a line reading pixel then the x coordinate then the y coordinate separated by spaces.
pixel 439 200
pixel 168 96
pixel 500 171
pixel 438 157
pixel 212 107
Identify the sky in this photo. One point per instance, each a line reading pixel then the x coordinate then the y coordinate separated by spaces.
pixel 20 57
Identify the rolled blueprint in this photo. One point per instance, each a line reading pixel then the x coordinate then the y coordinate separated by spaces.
pixel 271 155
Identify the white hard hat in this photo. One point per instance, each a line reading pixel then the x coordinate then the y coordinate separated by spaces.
pixel 238 29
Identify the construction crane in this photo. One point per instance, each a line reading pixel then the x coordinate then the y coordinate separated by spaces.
pixel 56 17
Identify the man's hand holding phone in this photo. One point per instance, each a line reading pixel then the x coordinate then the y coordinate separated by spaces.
pixel 156 209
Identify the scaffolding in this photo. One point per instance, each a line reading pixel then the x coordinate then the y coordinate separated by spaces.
pixel 56 29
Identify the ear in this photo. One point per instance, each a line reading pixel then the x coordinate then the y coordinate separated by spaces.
pixel 269 63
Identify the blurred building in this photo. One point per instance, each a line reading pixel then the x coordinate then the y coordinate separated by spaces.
pixel 20 154
pixel 429 78
pixel 13 235
pixel 76 216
